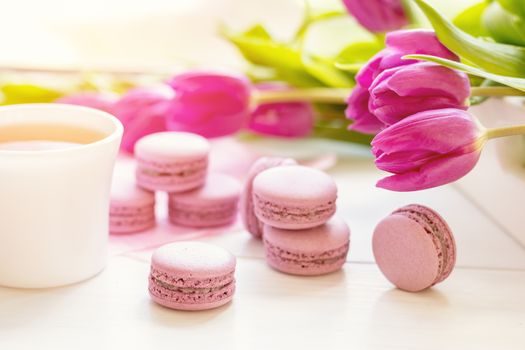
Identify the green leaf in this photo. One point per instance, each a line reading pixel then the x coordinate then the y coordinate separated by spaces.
pixel 27 93
pixel 514 6
pixel 261 50
pixel 504 26
pixel 495 58
pixel 357 53
pixel 325 71
pixel 469 20
pixel 517 83
pixel 257 31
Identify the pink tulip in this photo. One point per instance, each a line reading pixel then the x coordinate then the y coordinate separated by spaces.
pixel 378 15
pixel 398 44
pixel 364 121
pixel 284 119
pixel 209 104
pixel 143 111
pixel 401 43
pixel 402 91
pixel 428 149
pixel 97 100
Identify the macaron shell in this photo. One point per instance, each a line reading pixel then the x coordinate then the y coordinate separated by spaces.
pixel 294 197
pixel 405 253
pixel 193 260
pixel 171 161
pixel 132 209
pixel 175 179
pixel 332 235
pixel 214 204
pixel 167 146
pixel 128 194
pixel 295 185
pixel 132 223
pixel 309 252
pixel 178 301
pixel 191 276
pixel 252 224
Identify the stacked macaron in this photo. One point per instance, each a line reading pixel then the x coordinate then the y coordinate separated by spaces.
pixel 132 209
pixel 176 163
pixel 292 208
pixel 192 276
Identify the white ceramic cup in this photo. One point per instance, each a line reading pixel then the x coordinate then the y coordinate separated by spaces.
pixel 54 204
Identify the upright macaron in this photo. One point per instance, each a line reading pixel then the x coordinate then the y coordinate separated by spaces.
pixel 132 209
pixel 414 248
pixel 251 223
pixel 294 197
pixel 192 276
pixel 213 204
pixel 309 252
pixel 171 161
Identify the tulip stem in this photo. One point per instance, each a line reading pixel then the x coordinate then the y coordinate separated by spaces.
pixel 339 95
pixel 495 91
pixel 325 95
pixel 506 131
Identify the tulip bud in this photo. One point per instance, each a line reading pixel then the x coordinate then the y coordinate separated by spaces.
pixel 378 15
pixel 402 91
pixel 398 44
pixel 428 149
pixel 285 119
pixel 209 104
pixel 401 43
pixel 143 111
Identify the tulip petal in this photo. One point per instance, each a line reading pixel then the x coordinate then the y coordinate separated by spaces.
pixel 402 91
pixel 441 171
pixel 422 41
pixel 402 162
pixel 429 79
pixel 357 110
pixel 143 111
pixel 368 72
pixel 440 131
pixel 378 15
pixel 390 108
pixel 209 104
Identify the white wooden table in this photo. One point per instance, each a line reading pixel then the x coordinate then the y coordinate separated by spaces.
pixel 481 305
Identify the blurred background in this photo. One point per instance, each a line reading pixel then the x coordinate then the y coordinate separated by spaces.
pixel 157 35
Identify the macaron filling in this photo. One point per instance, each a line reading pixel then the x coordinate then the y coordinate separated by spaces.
pixel 214 213
pixel 129 217
pixel 191 290
pixel 291 214
pixel 306 260
pixel 440 237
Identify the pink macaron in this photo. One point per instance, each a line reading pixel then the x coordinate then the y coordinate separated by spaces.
pixel 294 197
pixel 252 224
pixel 309 252
pixel 192 276
pixel 414 248
pixel 214 204
pixel 132 209
pixel 171 161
